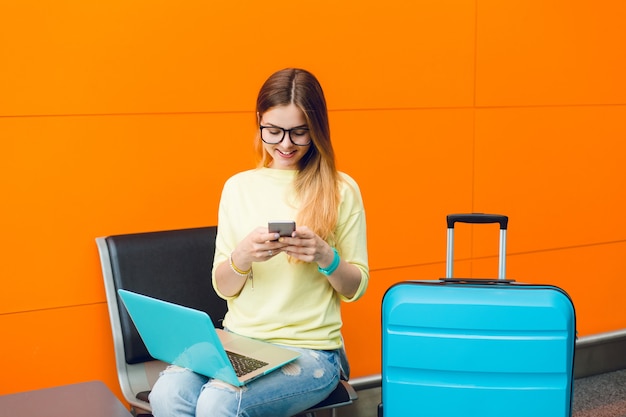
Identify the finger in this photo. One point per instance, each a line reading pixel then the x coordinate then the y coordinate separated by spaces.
pixel 269 253
pixel 270 237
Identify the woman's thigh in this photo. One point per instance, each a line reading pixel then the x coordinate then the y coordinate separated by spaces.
pixel 284 392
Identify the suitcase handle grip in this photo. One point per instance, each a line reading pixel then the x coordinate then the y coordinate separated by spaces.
pixel 476 218
pixel 480 218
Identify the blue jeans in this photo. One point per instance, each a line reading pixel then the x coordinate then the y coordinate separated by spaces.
pixel 287 391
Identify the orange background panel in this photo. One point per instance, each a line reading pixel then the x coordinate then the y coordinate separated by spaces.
pixel 557 171
pixel 75 57
pixel 537 52
pixel 409 177
pixel 57 346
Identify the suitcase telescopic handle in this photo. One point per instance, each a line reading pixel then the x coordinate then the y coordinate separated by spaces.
pixel 477 218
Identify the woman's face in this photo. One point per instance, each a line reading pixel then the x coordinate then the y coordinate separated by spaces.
pixel 280 124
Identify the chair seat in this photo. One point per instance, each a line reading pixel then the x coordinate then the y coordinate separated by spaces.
pixel 343 394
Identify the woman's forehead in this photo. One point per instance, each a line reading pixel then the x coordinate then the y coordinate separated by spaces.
pixel 284 116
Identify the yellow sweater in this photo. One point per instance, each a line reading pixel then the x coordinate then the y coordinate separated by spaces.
pixel 286 302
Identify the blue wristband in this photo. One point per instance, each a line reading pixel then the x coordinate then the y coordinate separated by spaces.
pixel 333 265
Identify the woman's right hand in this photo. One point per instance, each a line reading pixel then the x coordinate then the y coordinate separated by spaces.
pixel 258 246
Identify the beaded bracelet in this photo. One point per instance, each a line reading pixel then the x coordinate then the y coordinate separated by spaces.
pixel 237 270
pixel 333 265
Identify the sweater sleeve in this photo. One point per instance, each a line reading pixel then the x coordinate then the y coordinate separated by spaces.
pixel 351 233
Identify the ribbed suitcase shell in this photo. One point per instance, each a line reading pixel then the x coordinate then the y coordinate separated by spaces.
pixel 477 349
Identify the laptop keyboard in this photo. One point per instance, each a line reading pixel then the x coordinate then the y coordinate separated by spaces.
pixel 243 364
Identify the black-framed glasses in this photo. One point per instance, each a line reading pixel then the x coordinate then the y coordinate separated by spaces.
pixel 273 135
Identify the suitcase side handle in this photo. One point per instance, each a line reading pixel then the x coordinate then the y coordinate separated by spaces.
pixel 476 218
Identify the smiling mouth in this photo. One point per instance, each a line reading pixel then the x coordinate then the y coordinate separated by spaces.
pixel 286 153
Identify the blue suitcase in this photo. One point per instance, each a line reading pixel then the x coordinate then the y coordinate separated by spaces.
pixel 477 347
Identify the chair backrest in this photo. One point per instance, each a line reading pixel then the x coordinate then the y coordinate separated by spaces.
pixel 173 265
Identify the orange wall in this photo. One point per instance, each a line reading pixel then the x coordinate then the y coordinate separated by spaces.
pixel 120 117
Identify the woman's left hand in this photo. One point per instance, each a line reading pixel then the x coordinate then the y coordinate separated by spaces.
pixel 307 246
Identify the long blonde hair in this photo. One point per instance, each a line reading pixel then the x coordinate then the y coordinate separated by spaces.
pixel 317 182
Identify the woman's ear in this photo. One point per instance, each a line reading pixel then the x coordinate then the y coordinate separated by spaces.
pixel 258 118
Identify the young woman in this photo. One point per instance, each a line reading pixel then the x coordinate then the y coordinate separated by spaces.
pixel 282 290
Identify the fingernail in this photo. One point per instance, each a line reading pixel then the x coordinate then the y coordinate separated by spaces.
pixel 276 235
pixel 281 239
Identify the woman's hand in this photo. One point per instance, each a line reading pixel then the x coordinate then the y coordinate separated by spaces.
pixel 258 246
pixel 307 246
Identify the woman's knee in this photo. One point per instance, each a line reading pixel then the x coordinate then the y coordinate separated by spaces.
pixel 176 392
pixel 219 398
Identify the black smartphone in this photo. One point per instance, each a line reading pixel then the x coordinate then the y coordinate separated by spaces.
pixel 283 228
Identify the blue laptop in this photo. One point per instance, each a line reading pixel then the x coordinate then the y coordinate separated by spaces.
pixel 186 337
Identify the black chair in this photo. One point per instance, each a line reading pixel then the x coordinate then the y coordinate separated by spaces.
pixel 175 266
